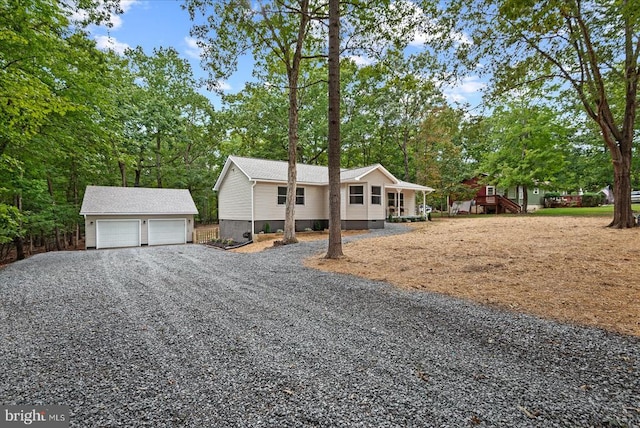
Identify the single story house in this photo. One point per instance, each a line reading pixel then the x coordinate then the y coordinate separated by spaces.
pixel 135 216
pixel 252 193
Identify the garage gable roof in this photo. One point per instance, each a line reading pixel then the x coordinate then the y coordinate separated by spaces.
pixel 100 200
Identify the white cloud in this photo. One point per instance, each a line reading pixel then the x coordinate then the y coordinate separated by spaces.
pixel 116 20
pixel 193 50
pixel 421 38
pixel 361 61
pixel 221 85
pixel 469 90
pixel 110 43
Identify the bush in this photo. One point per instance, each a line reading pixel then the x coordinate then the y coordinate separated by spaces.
pixel 267 228
pixel 592 199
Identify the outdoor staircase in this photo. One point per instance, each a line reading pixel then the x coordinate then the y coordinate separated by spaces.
pixel 508 204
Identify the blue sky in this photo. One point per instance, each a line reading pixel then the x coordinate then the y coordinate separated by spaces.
pixel 155 23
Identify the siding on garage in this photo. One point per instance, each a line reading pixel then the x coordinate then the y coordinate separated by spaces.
pixel 90 225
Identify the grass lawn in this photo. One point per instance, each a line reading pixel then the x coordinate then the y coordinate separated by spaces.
pixel 605 210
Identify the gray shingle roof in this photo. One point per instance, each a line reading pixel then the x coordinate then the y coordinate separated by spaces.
pixel 136 200
pixel 277 171
pixel 271 170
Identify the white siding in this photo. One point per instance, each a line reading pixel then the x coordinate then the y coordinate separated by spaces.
pixel 266 202
pixel 366 211
pixel 314 203
pixel 356 211
pixel 234 196
pixel 409 202
pixel 267 207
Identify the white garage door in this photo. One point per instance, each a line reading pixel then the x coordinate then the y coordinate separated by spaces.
pixel 117 233
pixel 163 232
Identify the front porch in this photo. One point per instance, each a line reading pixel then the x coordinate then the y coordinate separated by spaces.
pixel 401 201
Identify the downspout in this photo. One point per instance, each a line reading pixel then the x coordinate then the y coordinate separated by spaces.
pixel 253 217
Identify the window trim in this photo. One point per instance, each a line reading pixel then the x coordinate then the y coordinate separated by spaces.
pixel 282 198
pixel 300 194
pixel 357 196
pixel 375 195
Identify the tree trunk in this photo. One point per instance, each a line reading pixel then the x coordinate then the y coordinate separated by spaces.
pixel 56 229
pixel 622 213
pixel 405 154
pixel 18 241
pixel 334 249
pixel 138 171
pixel 292 171
pixel 621 158
pixel 293 72
pixel 158 161
pixel 525 199
pixel 123 173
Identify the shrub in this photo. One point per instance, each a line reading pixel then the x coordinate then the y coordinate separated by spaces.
pixel 267 228
pixel 592 199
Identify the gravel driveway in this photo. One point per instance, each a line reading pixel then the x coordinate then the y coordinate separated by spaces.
pixel 198 337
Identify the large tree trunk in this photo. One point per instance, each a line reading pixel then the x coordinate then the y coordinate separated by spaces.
pixel 622 213
pixel 621 159
pixel 292 171
pixel 334 249
pixel 293 72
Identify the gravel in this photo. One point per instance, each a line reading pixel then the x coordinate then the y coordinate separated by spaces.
pixel 194 336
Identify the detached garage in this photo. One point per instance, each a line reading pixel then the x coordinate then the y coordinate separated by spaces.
pixel 134 216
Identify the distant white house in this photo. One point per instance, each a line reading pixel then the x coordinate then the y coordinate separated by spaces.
pixel 135 216
pixel 252 194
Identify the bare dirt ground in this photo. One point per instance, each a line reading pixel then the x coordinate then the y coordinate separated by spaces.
pixel 566 268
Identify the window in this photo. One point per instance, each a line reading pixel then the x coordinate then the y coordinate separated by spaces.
pixel 282 195
pixel 299 195
pixel 391 199
pixel 491 191
pixel 376 195
pixel 536 191
pixel 356 195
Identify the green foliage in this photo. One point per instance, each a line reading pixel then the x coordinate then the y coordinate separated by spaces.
pixel 592 199
pixel 525 145
pixel 10 223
